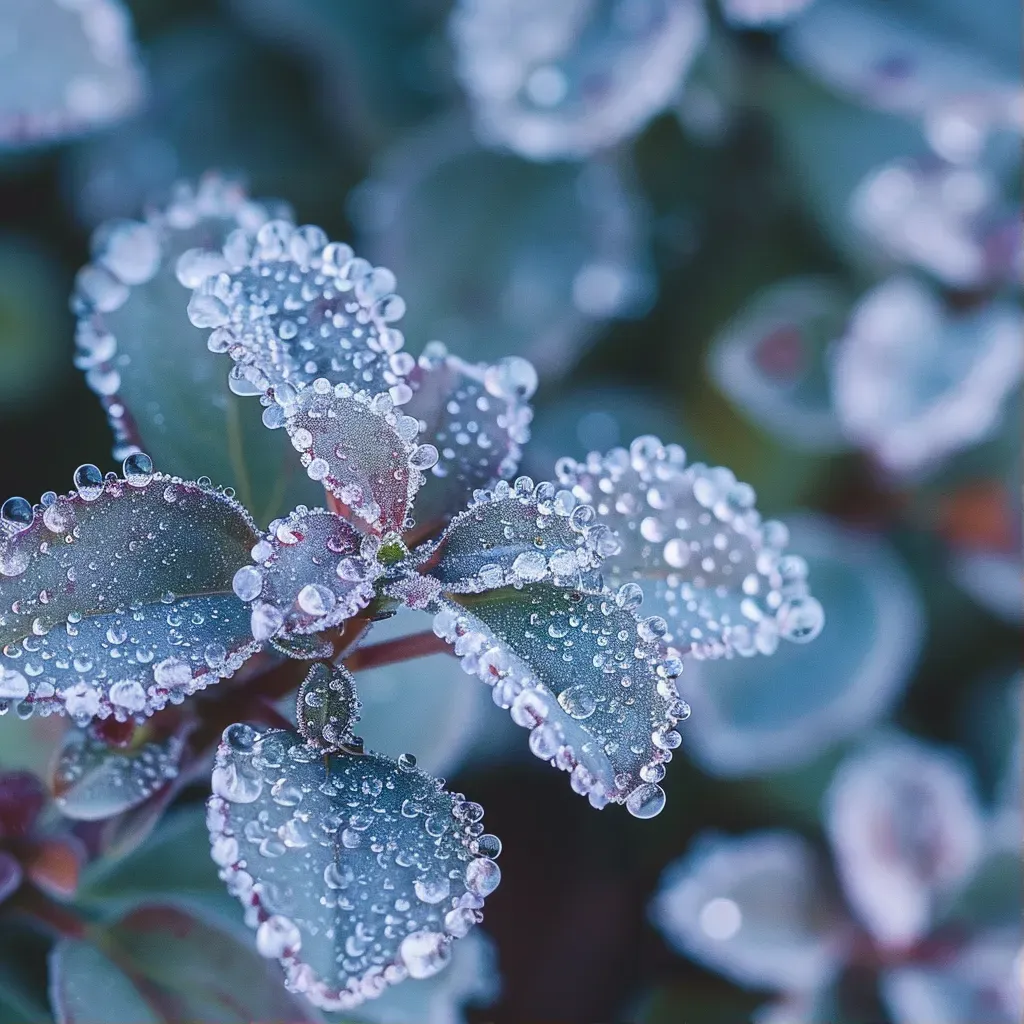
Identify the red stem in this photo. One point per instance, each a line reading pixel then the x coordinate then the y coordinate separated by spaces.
pixel 55 917
pixel 402 648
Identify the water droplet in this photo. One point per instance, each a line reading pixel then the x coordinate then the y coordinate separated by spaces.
pixel 646 801
pixel 424 953
pixel 88 482
pixel 277 936
pixel 138 469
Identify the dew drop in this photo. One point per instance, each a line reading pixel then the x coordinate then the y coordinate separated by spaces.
pixel 646 801
pixel 138 469
pixel 88 482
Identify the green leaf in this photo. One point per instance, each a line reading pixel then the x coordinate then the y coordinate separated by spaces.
pixel 162 388
pixel 119 594
pixel 326 707
pixel 160 963
pixel 356 871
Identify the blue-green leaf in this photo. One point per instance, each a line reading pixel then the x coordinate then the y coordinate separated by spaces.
pixel 327 707
pixel 356 871
pixel 119 594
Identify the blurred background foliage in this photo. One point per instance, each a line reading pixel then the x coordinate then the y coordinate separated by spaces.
pixel 718 274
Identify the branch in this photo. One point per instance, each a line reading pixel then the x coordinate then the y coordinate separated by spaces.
pixel 402 648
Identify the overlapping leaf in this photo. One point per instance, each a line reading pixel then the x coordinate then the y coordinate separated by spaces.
pixel 118 595
pixel 398 865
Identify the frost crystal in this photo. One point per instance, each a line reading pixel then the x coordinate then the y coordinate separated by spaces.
pixel 690 537
pixel 69 66
pixel 561 80
pixel 390 850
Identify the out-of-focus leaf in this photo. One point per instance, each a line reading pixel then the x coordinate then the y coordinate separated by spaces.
pixel 914 383
pixel 754 908
pixel 906 832
pixel 22 798
pixel 68 68
pixel 161 387
pixel 771 360
pixel 761 14
pixel 23 981
pixel 310 843
pixel 765 715
pixel 327 708
pixel 551 81
pixel 160 963
pixel 526 259
pixel 692 539
pixel 123 594
pixel 10 874
pixel 54 865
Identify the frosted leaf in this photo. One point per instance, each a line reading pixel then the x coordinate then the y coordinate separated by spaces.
pixel 157 380
pixel 772 714
pixel 68 68
pixel 906 832
pixel 864 51
pixel 386 846
pixel 514 535
pixel 92 780
pixel 327 708
pixel 361 449
pixel 771 360
pixel 761 14
pixel 525 258
pixel 476 416
pixel 691 537
pixel 293 308
pixel 950 221
pixel 585 674
pixel 303 646
pixel 755 908
pixel 308 575
pixel 914 383
pixel 981 982
pixel 551 81
pixel 119 583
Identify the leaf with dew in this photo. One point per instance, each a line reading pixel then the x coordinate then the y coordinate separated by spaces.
pixel 69 68
pixel 327 707
pixel 119 594
pixel 159 384
pixel 312 571
pixel 692 541
pixel 400 866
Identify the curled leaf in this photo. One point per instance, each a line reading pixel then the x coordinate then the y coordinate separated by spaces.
pixel 327 707
pixel 390 853
pixel 312 572
pixel 119 594
pixel 692 539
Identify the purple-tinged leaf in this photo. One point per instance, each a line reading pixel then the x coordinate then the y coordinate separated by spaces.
pixel 302 839
pixel 906 832
pixel 312 571
pixel 160 963
pixel 755 908
pixel 327 707
pixel 10 874
pixel 476 416
pixel 691 538
pixel 22 798
pixel 54 865
pixel 68 68
pixel 119 594
pixel 291 308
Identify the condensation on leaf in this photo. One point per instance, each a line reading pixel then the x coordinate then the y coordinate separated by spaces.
pixel 756 908
pixel 312 571
pixel 292 307
pixel 585 674
pixel 116 598
pixel 551 81
pixel 914 383
pixel 772 360
pixel 906 833
pixel 476 416
pixel 69 67
pixel 776 713
pixel 526 258
pixel 386 848
pixel 362 449
pixel 92 780
pixel 691 538
pixel 327 707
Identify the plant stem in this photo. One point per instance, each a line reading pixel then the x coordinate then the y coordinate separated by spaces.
pixel 402 648
pixel 56 917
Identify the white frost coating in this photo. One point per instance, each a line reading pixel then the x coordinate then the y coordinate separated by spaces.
pixel 691 538
pixel 359 826
pixel 906 833
pixel 70 66
pixel 292 307
pixel 90 584
pixel 755 908
pixel 312 571
pixel 914 384
pixel 561 80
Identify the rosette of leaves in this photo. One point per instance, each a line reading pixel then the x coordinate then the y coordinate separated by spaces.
pixel 577 601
